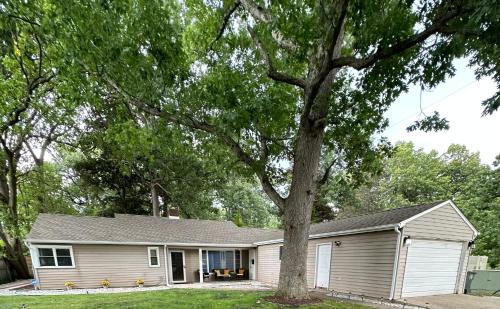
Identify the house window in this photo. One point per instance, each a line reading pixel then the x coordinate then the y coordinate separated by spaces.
pixel 153 255
pixel 220 259
pixel 57 256
pixel 281 252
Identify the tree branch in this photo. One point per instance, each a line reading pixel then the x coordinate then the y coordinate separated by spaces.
pixel 326 174
pixel 384 53
pixel 261 15
pixel 225 22
pixel 271 71
pixel 226 139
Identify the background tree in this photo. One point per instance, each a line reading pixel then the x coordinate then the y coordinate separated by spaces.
pixel 281 82
pixel 30 122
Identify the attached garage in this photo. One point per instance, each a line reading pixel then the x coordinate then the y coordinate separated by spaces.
pixel 398 253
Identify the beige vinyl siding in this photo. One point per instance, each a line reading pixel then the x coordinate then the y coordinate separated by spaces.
pixel 443 223
pixel 268 263
pixel 192 265
pixel 120 264
pixel 361 265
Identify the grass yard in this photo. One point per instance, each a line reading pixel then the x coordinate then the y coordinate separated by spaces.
pixel 185 298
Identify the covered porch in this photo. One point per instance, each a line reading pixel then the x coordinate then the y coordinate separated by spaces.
pixel 216 264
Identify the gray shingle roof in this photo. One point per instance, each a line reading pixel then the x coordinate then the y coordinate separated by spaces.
pixel 137 229
pixel 148 229
pixel 386 217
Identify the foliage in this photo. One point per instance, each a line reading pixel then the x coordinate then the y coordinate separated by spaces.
pixel 245 205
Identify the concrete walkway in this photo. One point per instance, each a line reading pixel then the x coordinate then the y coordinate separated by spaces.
pixel 16 284
pixel 456 301
pixel 230 285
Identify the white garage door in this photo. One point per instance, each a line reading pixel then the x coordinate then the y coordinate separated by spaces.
pixel 431 267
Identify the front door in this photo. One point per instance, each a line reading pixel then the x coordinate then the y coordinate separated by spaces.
pixel 177 267
pixel 323 258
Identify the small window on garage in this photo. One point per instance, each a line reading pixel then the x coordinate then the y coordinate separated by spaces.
pixel 154 257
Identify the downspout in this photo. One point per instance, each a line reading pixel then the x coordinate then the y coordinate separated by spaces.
pixel 397 229
pixel 166 264
pixel 33 261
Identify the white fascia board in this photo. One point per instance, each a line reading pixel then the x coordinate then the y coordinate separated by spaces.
pixel 331 234
pixel 91 242
pixel 448 202
pixel 179 244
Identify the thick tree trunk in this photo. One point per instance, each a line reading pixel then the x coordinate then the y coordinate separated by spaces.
pixel 14 252
pixel 297 213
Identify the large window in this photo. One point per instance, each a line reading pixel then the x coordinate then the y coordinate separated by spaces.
pixel 154 257
pixel 56 256
pixel 220 259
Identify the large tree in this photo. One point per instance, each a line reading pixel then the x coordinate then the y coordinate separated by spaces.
pixel 280 85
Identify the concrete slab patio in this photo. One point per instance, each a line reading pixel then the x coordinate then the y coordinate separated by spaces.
pixel 456 301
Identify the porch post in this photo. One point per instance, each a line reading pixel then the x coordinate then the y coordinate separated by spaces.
pixel 200 255
pixel 165 255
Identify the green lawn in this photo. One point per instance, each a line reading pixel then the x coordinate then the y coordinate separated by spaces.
pixel 159 299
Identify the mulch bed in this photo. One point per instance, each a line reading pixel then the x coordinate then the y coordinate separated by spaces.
pixel 292 302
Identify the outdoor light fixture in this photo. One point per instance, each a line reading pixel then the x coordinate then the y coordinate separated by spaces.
pixel 471 244
pixel 338 243
pixel 407 240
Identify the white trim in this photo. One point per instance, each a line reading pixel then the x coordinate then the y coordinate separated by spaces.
pixel 448 202
pixel 329 266
pixel 323 235
pixel 183 265
pixel 99 242
pixel 200 264
pixel 157 256
pixel 53 247
pixel 89 242
pixel 396 262
pixel 166 269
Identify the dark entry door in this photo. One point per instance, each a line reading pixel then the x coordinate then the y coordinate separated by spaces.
pixel 177 264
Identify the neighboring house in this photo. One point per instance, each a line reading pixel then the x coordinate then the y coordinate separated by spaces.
pixel 398 253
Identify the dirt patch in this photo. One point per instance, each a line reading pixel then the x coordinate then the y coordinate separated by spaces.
pixel 292 302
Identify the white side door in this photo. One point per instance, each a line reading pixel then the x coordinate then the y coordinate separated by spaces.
pixel 323 259
pixel 431 267
pixel 252 262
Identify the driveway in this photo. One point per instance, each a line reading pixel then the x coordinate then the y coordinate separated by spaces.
pixel 456 301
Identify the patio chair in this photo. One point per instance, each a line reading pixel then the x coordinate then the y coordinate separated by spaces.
pixel 240 274
pixel 218 274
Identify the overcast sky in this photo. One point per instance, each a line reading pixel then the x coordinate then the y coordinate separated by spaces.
pixel 459 100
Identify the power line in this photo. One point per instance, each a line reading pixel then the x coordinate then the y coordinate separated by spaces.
pixel 433 103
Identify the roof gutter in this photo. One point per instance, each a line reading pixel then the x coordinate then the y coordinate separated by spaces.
pixel 137 243
pixel 397 229
pixel 331 234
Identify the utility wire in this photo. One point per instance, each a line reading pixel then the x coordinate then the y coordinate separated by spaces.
pixel 433 103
